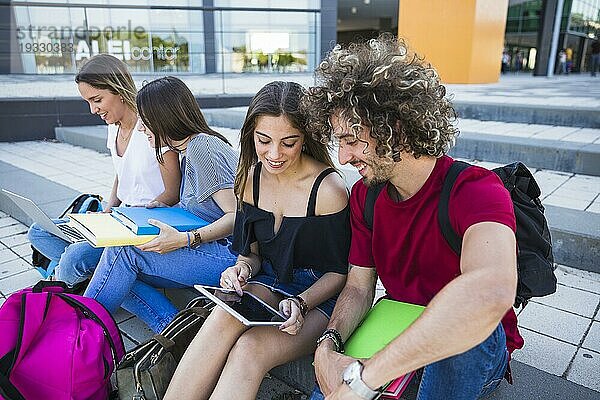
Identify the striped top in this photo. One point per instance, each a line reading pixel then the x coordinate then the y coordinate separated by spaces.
pixel 210 166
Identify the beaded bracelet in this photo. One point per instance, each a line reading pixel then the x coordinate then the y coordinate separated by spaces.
pixel 335 337
pixel 188 238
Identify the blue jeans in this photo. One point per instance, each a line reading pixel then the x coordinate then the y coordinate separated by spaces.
pixel 302 279
pixel 76 261
pixel 127 277
pixel 471 375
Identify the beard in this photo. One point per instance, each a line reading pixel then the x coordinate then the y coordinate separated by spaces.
pixel 381 170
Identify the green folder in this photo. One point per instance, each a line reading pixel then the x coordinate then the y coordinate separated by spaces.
pixel 382 324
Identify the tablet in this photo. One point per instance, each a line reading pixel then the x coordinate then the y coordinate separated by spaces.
pixel 249 309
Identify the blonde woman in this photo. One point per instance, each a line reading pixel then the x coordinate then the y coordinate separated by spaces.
pixel 107 86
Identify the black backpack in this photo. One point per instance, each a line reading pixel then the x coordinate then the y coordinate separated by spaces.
pixel 535 261
pixel 81 204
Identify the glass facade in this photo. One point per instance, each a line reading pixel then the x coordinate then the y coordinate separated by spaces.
pixel 580 24
pixel 185 37
pixel 584 17
pixel 522 25
pixel 250 41
pixel 524 16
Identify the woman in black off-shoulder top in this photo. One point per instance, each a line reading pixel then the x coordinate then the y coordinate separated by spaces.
pixel 292 232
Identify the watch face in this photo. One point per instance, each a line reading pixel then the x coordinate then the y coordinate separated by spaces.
pixel 351 372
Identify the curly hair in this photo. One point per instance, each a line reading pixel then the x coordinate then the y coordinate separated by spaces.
pixel 381 85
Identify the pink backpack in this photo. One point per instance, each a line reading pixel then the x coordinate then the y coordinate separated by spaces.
pixel 56 346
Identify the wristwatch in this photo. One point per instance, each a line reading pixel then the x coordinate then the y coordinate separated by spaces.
pixel 352 378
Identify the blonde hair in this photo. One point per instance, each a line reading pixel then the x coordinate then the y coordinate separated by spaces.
pixel 106 72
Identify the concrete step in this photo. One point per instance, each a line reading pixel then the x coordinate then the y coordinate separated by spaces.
pixel 529 383
pixel 34 118
pixel 584 117
pixel 50 196
pixel 557 155
pixel 91 137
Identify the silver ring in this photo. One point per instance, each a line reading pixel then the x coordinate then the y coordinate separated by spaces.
pixel 228 282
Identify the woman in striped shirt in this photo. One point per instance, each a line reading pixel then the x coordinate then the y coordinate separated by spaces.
pixel 171 117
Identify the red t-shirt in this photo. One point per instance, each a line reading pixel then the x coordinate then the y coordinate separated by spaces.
pixel 413 260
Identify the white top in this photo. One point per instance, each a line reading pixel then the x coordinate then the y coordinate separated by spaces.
pixel 139 176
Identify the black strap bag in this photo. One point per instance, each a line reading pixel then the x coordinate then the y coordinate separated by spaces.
pixel 144 373
pixel 535 261
pixel 81 204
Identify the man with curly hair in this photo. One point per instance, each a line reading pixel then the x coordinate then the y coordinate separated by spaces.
pixel 388 113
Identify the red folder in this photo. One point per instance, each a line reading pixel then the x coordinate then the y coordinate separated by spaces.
pixel 395 389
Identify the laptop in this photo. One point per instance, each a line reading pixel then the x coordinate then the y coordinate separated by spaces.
pixel 62 230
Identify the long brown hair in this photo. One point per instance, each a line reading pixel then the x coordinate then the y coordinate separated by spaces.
pixel 168 108
pixel 275 99
pixel 106 72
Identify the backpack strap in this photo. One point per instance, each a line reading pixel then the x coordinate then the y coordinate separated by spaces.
pixel 79 199
pixel 453 239
pixel 90 204
pixel 369 209
pixel 312 199
pixel 70 206
pixel 9 391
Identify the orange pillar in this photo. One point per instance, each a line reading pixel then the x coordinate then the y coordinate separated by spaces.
pixel 462 39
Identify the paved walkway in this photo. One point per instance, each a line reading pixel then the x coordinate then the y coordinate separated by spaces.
pixel 562 332
pixel 580 91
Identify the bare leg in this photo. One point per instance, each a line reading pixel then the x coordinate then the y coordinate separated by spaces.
pixel 260 349
pixel 201 365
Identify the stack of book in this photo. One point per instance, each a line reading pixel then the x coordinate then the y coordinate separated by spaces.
pixel 126 226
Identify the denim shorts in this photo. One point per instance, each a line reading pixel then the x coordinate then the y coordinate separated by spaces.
pixel 302 279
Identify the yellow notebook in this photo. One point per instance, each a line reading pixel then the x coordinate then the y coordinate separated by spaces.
pixel 102 230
